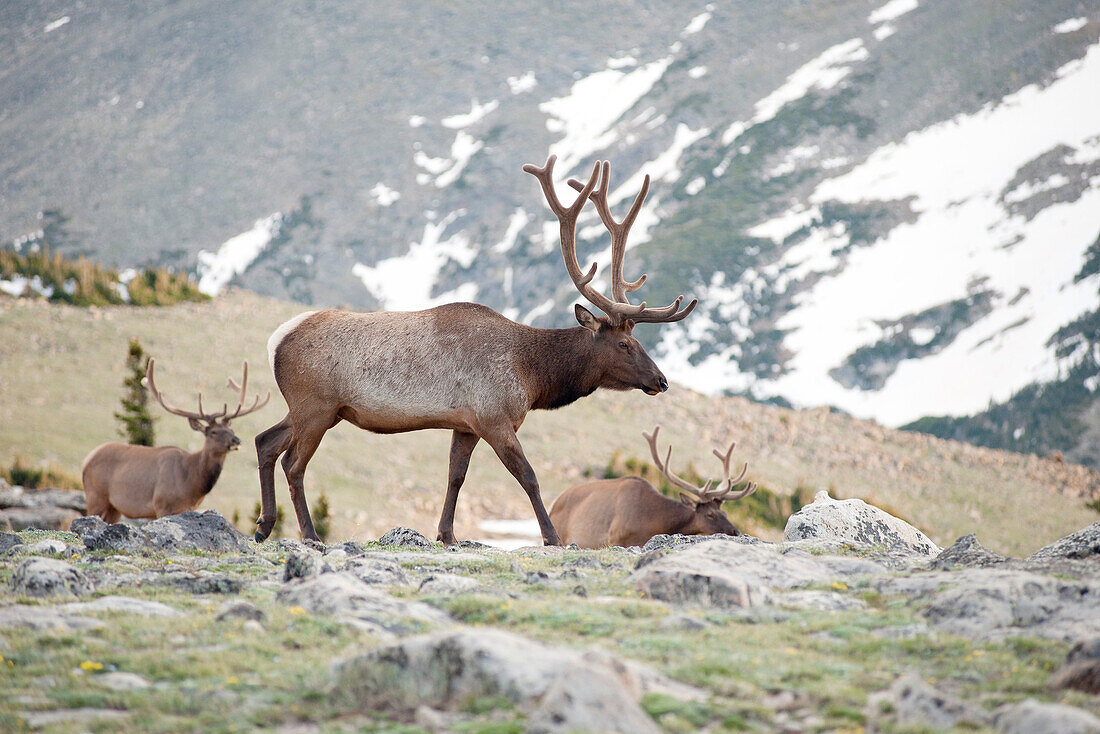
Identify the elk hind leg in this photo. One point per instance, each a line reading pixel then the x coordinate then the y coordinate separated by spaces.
pixel 510 453
pixel 269 445
pixel 462 446
pixel 302 447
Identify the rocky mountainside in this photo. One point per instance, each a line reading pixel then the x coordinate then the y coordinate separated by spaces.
pixel 854 622
pixel 887 207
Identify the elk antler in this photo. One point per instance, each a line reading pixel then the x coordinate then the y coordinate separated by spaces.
pixel 199 416
pixel 256 404
pixel 722 491
pixel 618 309
pixel 619 232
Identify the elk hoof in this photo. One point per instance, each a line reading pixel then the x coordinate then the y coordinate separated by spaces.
pixel 260 537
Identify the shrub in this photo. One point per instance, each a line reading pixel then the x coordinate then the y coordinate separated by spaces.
pixel 137 423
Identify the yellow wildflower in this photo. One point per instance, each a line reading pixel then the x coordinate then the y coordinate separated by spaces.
pixel 91 665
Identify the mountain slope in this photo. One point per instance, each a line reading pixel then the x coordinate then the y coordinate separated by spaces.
pixel 883 207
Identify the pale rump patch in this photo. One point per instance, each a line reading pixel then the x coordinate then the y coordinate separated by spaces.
pixel 280 333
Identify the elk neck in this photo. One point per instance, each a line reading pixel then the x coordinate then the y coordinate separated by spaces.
pixel 204 467
pixel 560 367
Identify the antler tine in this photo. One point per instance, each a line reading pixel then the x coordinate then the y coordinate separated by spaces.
pixel 567 220
pixel 722 489
pixel 151 383
pixel 663 467
pixel 243 388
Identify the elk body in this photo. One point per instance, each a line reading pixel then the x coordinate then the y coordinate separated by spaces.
pixel 629 510
pixel 462 367
pixel 154 481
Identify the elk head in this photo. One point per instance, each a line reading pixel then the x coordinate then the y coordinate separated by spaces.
pixel 623 363
pixel 220 438
pixel 705 501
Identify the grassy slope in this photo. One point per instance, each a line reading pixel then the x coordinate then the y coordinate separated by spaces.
pixel 61 371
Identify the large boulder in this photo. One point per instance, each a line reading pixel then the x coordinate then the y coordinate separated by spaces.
pixel 725 574
pixel 967 552
pixel 27 617
pixel 49 577
pixel 98 535
pixel 207 530
pixel 1033 717
pixel 1085 543
pixel 854 521
pixel 351 601
pixel 124 604
pixel 405 537
pixel 910 702
pixel 39 518
pixel 559 689
pixel 999 602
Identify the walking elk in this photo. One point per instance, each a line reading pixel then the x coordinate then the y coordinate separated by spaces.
pixel 629 511
pixel 461 367
pixel 154 481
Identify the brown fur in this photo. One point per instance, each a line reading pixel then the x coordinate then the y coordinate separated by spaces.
pixel 629 511
pixel 460 367
pixel 153 481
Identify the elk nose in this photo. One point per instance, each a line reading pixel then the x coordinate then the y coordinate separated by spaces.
pixel 663 383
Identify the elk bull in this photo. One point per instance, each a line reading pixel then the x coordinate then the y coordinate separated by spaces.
pixel 461 367
pixel 629 510
pixel 154 481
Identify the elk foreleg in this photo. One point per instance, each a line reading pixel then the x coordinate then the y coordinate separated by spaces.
pixel 302 447
pixel 269 445
pixel 510 453
pixel 462 446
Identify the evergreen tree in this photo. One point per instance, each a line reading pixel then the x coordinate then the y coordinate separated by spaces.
pixel 137 423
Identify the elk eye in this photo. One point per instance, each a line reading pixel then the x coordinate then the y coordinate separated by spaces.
pixel 624 345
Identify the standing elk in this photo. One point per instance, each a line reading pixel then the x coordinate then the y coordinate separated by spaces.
pixel 461 366
pixel 154 481
pixel 629 511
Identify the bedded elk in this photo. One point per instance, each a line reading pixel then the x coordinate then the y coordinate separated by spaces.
pixel 629 511
pixel 461 366
pixel 154 481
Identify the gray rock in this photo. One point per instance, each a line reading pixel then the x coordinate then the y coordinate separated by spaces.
pixel 304 565
pixel 9 541
pixel 1084 543
pixel 290 545
pixel 98 535
pixel 47 547
pixel 240 609
pixel 79 718
pixel 857 522
pixel 349 600
pixel 124 604
pixel 119 681
pixel 406 537
pixel 207 530
pixel 201 582
pixel 20 616
pixel 725 574
pixel 350 547
pixel 997 602
pixel 40 518
pixel 822 601
pixel 910 702
pixel 559 689
pixel 1033 717
pixel 376 571
pixel 336 554
pixel 967 552
pixel 49 577
pixel 1082 668
pixel 29 498
pixel 684 623
pixel 667 542
pixel 445 584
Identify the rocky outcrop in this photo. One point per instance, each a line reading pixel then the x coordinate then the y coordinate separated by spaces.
pixel 1085 543
pixel 349 600
pixel 1033 717
pixel 856 522
pixel 207 530
pixel 43 577
pixel 405 537
pixel 98 535
pixel 910 702
pixel 44 509
pixel 967 552
pixel 560 690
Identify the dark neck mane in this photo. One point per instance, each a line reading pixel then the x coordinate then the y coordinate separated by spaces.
pixel 560 367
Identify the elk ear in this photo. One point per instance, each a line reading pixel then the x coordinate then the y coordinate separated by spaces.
pixel 585 318
pixel 628 326
pixel 196 425
pixel 689 501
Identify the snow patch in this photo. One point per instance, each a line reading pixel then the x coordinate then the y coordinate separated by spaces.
pixel 521 84
pixel 884 31
pixel 516 223
pixel 695 185
pixel 447 170
pixel 54 25
pixel 891 11
pixel 384 195
pixel 697 72
pixel 697 24
pixel 236 254
pixel 586 115
pixel 1071 25
pixel 417 120
pixel 476 114
pixel 405 282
